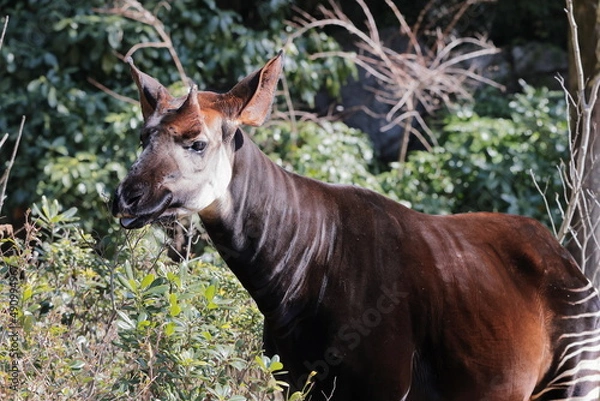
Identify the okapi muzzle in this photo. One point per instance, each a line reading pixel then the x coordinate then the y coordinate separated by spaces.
pixel 135 208
pixel 186 162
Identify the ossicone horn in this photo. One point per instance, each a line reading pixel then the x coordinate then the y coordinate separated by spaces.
pixel 190 105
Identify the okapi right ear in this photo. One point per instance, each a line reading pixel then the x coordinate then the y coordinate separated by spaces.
pixel 253 96
pixel 152 93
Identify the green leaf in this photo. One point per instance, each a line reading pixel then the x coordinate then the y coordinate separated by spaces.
pixel 143 324
pixel 149 279
pixel 210 292
pixel 28 321
pixel 260 361
pixel 77 365
pixel 275 366
pixel 297 396
pixel 174 310
pixel 125 322
pixel 126 283
pixel 27 293
pixel 157 289
pixel 170 329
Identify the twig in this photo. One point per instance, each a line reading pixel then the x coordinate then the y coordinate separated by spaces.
pixel 425 75
pixel 584 108
pixel 134 10
pixel 11 162
pixel 111 92
pixel 4 31
pixel 290 106
pixel 547 205
pixel 4 138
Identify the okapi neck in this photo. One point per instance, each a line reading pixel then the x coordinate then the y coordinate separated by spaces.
pixel 276 234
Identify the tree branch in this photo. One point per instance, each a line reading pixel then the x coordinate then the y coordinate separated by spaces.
pixel 11 162
pixel 4 31
pixel 428 75
pixel 111 92
pixel 134 10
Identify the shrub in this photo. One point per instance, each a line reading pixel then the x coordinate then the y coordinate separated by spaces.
pixel 487 153
pixel 78 139
pixel 133 327
pixel 331 152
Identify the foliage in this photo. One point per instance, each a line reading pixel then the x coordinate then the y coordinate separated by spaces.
pixel 78 138
pixel 133 327
pixel 487 153
pixel 330 152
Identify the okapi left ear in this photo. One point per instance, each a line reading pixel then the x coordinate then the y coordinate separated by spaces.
pixel 254 94
pixel 152 93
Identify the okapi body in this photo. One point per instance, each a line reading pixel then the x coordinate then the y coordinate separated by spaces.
pixel 384 303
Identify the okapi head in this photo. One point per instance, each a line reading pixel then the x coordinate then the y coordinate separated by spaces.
pixel 188 148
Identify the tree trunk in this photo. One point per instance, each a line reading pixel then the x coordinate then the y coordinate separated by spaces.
pixel 585 245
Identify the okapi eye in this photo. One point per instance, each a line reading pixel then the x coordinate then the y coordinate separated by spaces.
pixel 198 146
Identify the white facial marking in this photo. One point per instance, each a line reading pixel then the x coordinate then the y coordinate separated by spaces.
pixel 219 174
pixel 203 188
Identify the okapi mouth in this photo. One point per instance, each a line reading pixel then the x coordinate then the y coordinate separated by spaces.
pixel 131 223
pixel 132 217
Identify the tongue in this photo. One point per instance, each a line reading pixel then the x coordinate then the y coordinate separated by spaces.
pixel 127 222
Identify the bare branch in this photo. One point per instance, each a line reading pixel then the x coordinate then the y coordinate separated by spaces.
pixel 134 10
pixel 405 28
pixel 111 92
pixel 582 132
pixel 547 205
pixel 4 31
pixel 4 138
pixel 425 75
pixel 11 162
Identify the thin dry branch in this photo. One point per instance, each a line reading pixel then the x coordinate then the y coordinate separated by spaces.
pixel 11 162
pixel 134 10
pixel 111 92
pixel 581 134
pixel 426 75
pixel 4 30
pixel 4 138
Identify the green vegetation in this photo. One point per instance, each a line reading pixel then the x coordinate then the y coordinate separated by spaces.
pixel 488 152
pixel 133 327
pixel 79 139
pixel 102 313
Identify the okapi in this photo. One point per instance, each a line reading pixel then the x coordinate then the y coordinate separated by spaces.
pixel 383 302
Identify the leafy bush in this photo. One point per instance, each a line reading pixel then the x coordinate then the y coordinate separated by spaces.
pixel 326 151
pixel 132 327
pixel 78 139
pixel 487 153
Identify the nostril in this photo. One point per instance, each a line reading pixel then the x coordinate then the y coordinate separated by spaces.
pixel 133 200
pixel 127 197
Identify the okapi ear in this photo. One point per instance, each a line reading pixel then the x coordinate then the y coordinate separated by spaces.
pixel 152 93
pixel 254 94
